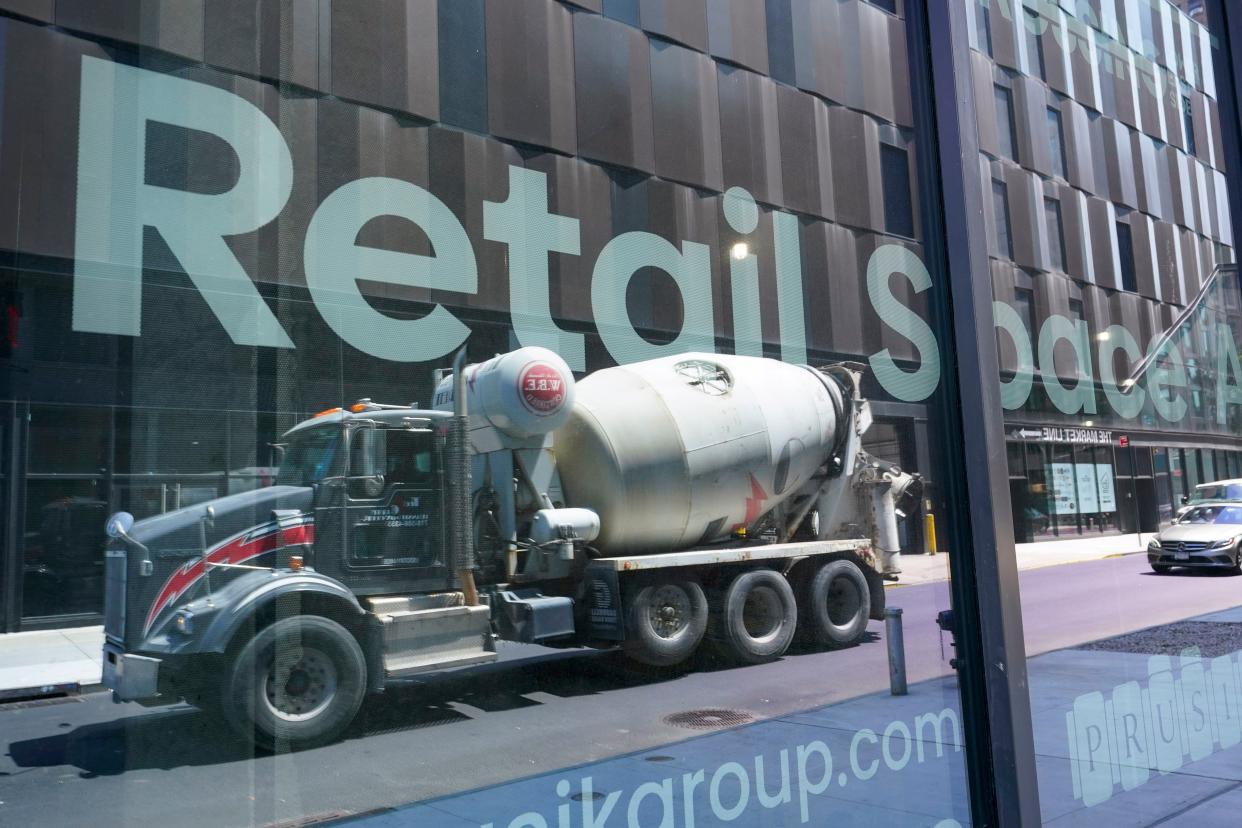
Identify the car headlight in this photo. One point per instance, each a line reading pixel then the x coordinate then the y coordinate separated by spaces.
pixel 1154 542
pixel 1227 542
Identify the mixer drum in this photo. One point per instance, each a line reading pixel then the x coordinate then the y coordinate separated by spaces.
pixel 681 451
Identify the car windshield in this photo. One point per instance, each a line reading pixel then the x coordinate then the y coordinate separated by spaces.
pixel 1214 514
pixel 1217 491
pixel 309 457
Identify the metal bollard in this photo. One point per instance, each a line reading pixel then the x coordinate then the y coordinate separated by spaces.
pixel 896 651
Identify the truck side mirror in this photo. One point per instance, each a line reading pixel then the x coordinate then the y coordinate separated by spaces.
pixel 366 464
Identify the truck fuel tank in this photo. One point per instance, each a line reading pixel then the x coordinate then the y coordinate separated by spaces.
pixel 524 393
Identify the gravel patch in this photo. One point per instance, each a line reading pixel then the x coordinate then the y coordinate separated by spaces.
pixel 1213 638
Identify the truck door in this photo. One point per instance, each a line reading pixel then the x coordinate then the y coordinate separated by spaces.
pixel 393 509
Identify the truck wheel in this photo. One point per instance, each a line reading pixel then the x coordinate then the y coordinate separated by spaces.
pixel 756 618
pixel 296 684
pixel 665 622
pixel 836 605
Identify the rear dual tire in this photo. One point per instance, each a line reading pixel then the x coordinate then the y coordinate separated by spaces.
pixel 836 605
pixel 756 617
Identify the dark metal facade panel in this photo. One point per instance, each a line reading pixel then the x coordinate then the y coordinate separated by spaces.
pixel 278 40
pixel 1004 38
pixel 1119 164
pixel 1143 230
pixel 806 153
pixel 1025 212
pixel 681 21
pixel 856 169
pixel 686 112
pixel 530 73
pixel 750 133
pixel 612 69
pixel 176 27
pixel 37 9
pixel 386 54
pixel 985 104
pixel 583 191
pixel 737 33
pixel 464 171
pixel 818 54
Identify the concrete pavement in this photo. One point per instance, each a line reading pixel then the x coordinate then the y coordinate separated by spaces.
pixel 45 662
pixel 922 569
pixel 885 760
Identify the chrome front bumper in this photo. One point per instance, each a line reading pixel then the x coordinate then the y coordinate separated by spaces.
pixel 1204 559
pixel 130 677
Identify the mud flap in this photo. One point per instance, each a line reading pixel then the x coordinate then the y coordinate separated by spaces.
pixel 604 611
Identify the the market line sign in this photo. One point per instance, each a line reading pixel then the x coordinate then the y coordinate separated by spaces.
pixel 1053 434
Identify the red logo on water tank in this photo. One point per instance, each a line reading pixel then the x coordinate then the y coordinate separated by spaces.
pixel 542 388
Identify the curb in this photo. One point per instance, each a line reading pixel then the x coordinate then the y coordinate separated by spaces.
pixel 42 691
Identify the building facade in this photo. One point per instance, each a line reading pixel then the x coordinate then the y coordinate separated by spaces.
pixel 1107 213
pixel 220 218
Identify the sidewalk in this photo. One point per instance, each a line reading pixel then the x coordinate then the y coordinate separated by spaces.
pixel 899 760
pixel 51 661
pixel 922 569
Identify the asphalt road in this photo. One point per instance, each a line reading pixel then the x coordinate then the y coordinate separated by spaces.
pixel 87 761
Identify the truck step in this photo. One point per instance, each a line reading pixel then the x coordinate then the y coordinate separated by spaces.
pixel 420 640
pixel 383 604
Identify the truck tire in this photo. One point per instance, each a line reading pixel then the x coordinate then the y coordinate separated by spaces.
pixel 836 605
pixel 756 617
pixel 298 683
pixel 665 622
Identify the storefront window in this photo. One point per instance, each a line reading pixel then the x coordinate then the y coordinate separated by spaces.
pixel 675 258
pixel 579 412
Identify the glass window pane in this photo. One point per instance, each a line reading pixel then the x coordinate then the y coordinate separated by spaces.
pixel 983 27
pixel 1006 131
pixel 1056 235
pixel 1033 26
pixel 898 206
pixel 1125 249
pixel 1056 142
pixel 1000 211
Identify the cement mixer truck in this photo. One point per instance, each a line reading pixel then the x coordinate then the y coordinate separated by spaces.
pixel 697 501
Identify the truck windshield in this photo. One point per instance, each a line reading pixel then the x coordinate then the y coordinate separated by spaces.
pixel 310 457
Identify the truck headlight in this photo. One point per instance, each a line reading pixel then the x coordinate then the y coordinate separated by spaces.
pixel 183 622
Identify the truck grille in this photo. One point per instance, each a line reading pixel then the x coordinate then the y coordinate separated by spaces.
pixel 115 561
